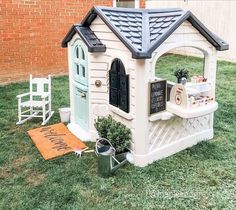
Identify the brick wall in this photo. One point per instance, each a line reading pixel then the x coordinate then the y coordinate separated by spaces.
pixel 142 4
pixel 31 32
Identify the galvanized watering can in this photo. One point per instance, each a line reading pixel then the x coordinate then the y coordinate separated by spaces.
pixel 108 162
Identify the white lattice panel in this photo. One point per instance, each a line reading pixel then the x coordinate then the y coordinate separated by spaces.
pixel 162 133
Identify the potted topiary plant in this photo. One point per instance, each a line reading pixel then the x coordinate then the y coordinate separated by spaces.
pixel 181 73
pixel 119 136
pixel 117 133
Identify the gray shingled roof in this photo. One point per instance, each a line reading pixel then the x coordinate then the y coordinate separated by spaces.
pixel 128 24
pixel 88 36
pixel 144 30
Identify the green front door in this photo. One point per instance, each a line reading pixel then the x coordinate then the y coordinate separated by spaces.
pixel 80 89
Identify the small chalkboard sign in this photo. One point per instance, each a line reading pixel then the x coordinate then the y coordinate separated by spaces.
pixel 157 96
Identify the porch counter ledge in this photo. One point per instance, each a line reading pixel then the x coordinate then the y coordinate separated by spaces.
pixel 194 112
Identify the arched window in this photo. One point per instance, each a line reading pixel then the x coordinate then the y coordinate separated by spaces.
pixel 80 64
pixel 119 86
pixel 179 58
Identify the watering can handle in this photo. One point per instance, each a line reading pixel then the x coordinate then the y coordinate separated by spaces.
pixel 101 139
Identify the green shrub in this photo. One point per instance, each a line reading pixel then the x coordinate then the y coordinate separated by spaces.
pixel 117 133
pixel 103 124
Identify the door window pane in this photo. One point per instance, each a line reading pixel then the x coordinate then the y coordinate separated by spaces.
pixel 77 69
pixel 77 52
pixel 82 54
pixel 83 70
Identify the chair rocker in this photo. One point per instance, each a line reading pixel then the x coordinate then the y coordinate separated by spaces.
pixel 37 102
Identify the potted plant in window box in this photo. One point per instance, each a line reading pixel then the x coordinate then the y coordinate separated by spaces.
pixel 181 73
pixel 117 136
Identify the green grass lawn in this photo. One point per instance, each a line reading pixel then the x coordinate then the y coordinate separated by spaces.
pixel 203 177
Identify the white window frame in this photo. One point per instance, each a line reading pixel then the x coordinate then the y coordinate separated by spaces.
pixel 136 3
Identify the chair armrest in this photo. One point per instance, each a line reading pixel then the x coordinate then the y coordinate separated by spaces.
pixel 22 95
pixel 43 96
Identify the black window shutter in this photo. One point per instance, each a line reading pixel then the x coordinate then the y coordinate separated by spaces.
pixel 113 93
pixel 124 92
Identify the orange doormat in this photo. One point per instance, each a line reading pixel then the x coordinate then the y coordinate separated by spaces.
pixel 55 140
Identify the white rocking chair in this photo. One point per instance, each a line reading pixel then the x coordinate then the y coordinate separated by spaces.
pixel 37 102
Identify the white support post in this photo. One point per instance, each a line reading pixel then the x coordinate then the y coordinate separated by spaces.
pixel 210 67
pixel 19 109
pixel 141 110
pixel 44 112
pixel 50 96
pixel 31 97
pixel 31 87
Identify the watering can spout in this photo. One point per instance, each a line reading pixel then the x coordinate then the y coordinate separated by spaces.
pixel 118 163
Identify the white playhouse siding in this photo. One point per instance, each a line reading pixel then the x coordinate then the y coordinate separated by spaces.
pixel 99 70
pixel 167 137
pixel 160 134
pixel 191 34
